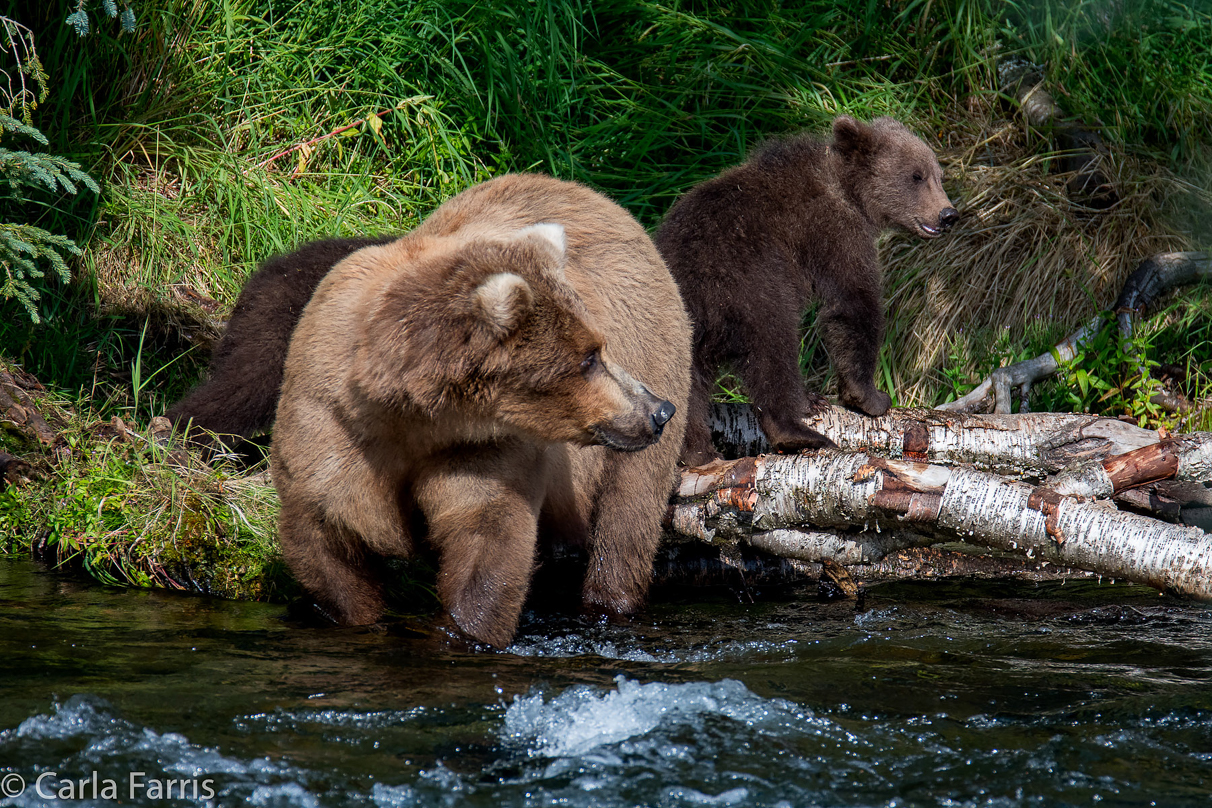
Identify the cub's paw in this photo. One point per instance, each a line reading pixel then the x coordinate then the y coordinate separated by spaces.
pixel 799 440
pixel 873 402
pixel 816 403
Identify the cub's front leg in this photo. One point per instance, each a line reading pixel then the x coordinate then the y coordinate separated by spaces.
pixel 852 328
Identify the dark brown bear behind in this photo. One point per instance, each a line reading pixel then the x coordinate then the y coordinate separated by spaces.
pixel 240 394
pixel 751 248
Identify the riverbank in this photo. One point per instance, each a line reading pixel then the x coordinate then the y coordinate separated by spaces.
pixel 224 133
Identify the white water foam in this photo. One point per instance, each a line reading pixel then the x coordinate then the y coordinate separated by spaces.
pixel 576 645
pixel 102 741
pixel 582 720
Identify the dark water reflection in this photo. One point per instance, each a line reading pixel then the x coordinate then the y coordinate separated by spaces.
pixel 939 693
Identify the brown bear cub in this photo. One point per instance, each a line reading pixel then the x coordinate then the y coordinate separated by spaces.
pixel 799 220
pixel 481 385
pixel 240 395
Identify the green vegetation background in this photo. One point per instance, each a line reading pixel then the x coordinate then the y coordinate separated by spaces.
pixel 188 125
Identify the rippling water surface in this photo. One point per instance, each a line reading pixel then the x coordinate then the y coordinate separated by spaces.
pixel 938 694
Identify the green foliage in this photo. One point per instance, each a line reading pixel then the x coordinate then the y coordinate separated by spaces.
pixel 79 21
pixel 125 515
pixel 26 249
pixel 1143 69
pixel 1104 377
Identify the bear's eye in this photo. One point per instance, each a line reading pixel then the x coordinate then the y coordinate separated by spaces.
pixel 917 177
pixel 590 363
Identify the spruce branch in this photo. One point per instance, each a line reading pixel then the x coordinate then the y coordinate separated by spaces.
pixel 26 249
pixel 79 20
pixel 17 95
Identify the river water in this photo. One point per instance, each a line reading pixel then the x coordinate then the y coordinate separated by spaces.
pixel 935 694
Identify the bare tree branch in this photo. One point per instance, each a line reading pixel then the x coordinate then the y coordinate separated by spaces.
pixel 1150 280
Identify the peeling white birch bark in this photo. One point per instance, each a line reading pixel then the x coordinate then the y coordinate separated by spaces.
pixel 1023 444
pixel 787 503
pixel 1186 458
pixel 995 512
pixel 846 549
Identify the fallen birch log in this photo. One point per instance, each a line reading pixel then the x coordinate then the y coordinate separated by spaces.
pixel 696 565
pixel 770 500
pixel 1185 458
pixel 1024 445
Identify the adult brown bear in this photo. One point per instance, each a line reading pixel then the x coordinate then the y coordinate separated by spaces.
pixel 798 221
pixel 479 385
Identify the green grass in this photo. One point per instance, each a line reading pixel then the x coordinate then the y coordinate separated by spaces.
pixel 638 99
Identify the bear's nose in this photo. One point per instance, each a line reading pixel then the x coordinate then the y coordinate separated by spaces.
pixel 662 415
pixel 948 217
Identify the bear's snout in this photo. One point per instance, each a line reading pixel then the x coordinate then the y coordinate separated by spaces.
pixel 948 217
pixel 664 412
pixel 640 420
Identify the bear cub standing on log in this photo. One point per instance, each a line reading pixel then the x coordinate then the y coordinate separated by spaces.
pixel 470 386
pixel 799 220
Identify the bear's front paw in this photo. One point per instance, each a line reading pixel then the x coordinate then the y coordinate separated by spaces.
pixel 615 607
pixel 873 402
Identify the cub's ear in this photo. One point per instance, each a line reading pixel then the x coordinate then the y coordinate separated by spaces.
pixel 853 139
pixel 502 301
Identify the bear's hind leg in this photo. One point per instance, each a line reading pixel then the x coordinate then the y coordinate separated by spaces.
pixel 331 565
pixel 772 376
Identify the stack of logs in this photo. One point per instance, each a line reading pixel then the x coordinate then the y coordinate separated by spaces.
pixel 1039 485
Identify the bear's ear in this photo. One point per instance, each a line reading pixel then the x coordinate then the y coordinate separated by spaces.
pixel 551 238
pixel 853 139
pixel 551 232
pixel 502 302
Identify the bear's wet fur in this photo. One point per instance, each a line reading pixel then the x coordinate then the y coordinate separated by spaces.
pixel 479 386
pixel 240 394
pixel 798 221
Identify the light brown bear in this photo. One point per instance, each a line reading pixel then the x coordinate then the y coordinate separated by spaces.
pixel 798 221
pixel 480 385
